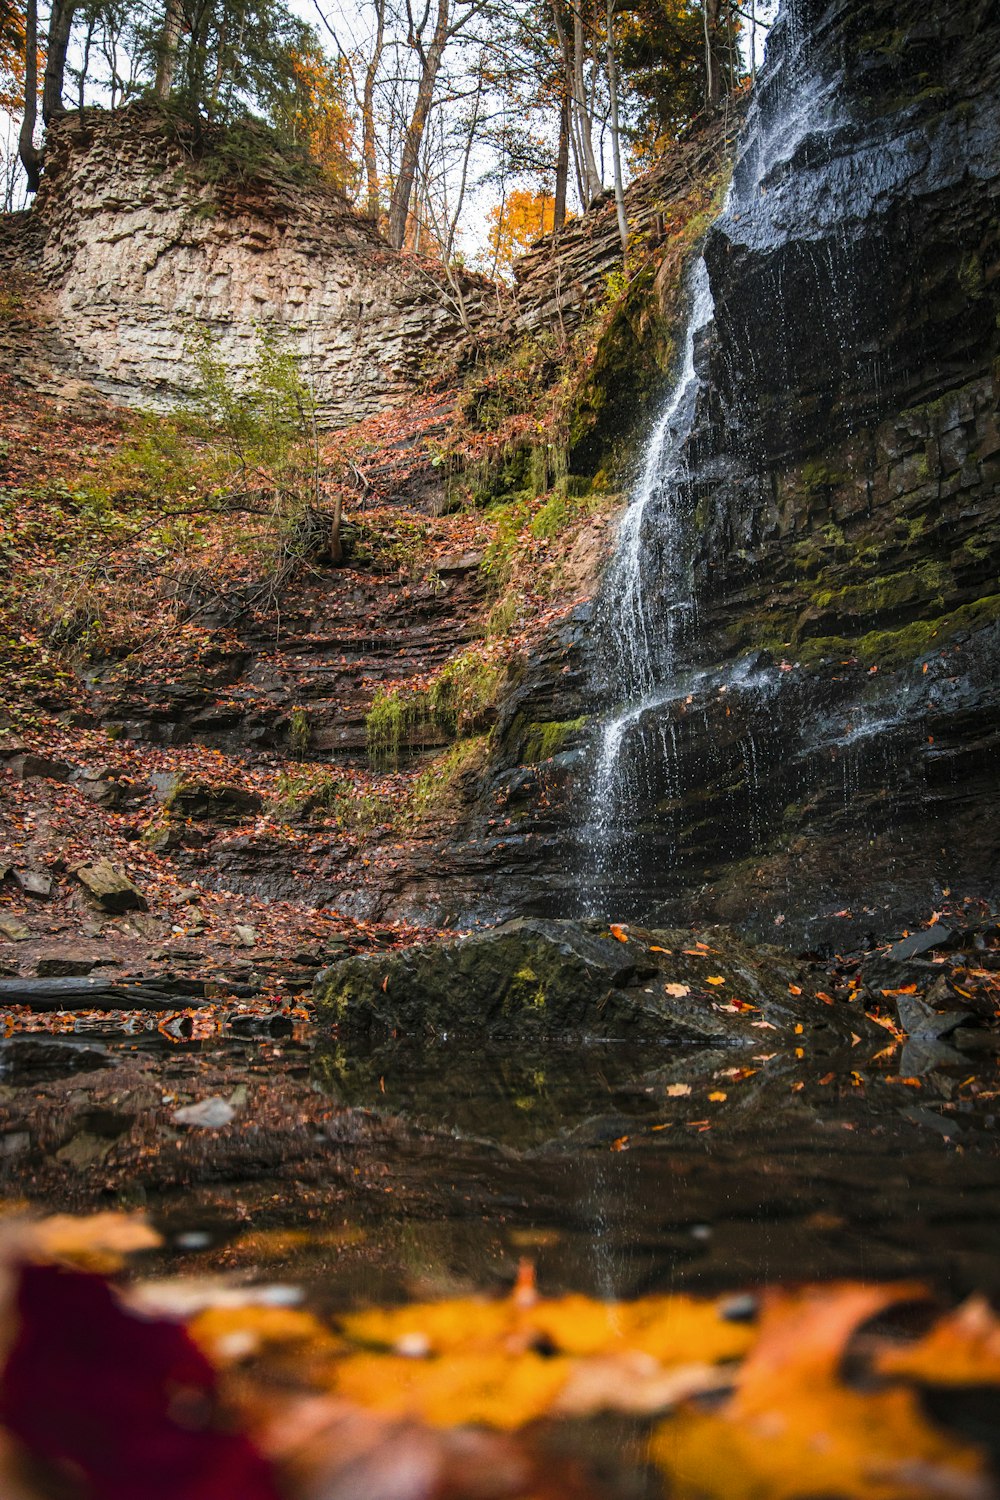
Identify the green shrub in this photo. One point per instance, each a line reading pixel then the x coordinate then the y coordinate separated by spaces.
pixel 394 715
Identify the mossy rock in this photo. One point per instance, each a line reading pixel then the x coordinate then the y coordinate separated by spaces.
pixel 541 977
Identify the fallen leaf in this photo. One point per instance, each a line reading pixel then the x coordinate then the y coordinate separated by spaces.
pixel 961 1349
pixel 793 1428
pixel 97 1243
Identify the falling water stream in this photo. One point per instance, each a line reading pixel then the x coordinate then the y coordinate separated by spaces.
pixel 647 616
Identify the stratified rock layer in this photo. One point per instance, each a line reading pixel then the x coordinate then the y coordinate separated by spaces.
pixel 133 249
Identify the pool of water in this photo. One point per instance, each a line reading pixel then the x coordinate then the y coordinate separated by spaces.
pixel 617 1171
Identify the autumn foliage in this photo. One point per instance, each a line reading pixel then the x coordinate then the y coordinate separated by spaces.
pixel 774 1397
pixel 516 223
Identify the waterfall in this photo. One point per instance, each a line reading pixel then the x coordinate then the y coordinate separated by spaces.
pixel 647 611
pixel 638 640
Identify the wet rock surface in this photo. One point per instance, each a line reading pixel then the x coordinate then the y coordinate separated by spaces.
pixel 827 741
pixel 535 977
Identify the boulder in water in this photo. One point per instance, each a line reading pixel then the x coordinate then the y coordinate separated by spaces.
pixel 536 977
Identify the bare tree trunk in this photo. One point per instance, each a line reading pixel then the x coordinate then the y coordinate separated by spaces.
pixel 713 62
pixel 590 177
pixel 430 66
pixel 166 61
pixel 562 165
pixel 369 152
pixel 60 26
pixel 615 134
pixel 31 157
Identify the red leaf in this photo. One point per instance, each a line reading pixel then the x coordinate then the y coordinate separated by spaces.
pixel 129 1403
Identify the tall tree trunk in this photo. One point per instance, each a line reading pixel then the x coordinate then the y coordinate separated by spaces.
pixel 562 165
pixel 615 134
pixel 590 177
pixel 369 152
pixel 713 60
pixel 60 26
pixel 31 157
pixel 402 191
pixel 166 58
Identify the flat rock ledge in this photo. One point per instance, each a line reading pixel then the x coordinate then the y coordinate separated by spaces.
pixel 535 977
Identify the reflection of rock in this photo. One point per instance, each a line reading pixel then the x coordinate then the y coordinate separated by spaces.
pixel 25 1059
pixel 539 977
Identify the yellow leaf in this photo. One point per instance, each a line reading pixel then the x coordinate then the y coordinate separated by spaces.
pixel 99 1242
pixel 491 1388
pixel 717 1096
pixel 715 979
pixel 792 1428
pixel 678 1090
pixel 229 1334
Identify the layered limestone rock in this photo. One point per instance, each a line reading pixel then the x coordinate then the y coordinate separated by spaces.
pixel 133 248
pixel 564 275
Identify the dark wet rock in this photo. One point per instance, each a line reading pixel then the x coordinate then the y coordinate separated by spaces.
pixel 918 1019
pixel 27 765
pixel 110 887
pixel 66 965
pixel 219 804
pixel 544 977
pixel 99 993
pixel 34 882
pixel 920 942
pixel 104 793
pixel 24 1059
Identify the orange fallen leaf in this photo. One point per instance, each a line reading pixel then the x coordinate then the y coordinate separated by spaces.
pixel 619 932
pixel 792 1427
pixel 715 979
pixel 961 1349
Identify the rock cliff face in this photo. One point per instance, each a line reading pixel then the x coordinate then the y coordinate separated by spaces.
pixel 132 246
pixel 827 739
